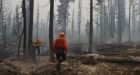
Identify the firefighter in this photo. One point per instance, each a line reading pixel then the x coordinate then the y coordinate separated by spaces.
pixel 38 43
pixel 60 49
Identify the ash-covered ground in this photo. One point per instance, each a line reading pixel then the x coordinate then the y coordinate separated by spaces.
pixel 126 61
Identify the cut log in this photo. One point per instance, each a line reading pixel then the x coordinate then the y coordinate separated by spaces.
pixel 95 58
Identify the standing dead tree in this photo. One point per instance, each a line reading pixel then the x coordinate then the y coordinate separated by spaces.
pixel 72 26
pixel 24 28
pixel 2 28
pixel 28 30
pixel 91 27
pixel 129 30
pixel 31 51
pixel 37 23
pixel 79 21
pixel 51 29
pixel 31 23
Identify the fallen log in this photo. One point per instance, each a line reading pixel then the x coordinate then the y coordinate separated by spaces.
pixel 121 60
pixel 95 58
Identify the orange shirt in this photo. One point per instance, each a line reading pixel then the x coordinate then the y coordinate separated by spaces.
pixel 60 43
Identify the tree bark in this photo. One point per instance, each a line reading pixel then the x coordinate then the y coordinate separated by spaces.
pixel 24 27
pixel 119 24
pixel 72 27
pixel 91 27
pixel 79 21
pixel 129 21
pixel 51 29
pixel 31 23
pixel 37 24
pixel 31 51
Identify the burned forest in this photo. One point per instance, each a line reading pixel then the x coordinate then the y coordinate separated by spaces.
pixel 69 37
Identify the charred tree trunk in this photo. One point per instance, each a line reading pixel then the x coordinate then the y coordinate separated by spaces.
pixel 91 27
pixel 31 51
pixel 121 19
pixel 134 21
pixel 31 23
pixel 3 29
pixel 119 23
pixel 72 27
pixel 129 30
pixel 101 23
pixel 79 21
pixel 19 44
pixel 18 31
pixel 51 29
pixel 112 20
pixel 37 24
pixel 24 28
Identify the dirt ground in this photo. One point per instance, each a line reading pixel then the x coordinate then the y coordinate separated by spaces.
pixel 69 67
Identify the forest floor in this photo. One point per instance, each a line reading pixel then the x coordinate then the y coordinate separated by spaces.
pixel 78 65
pixel 70 67
pixel 44 67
